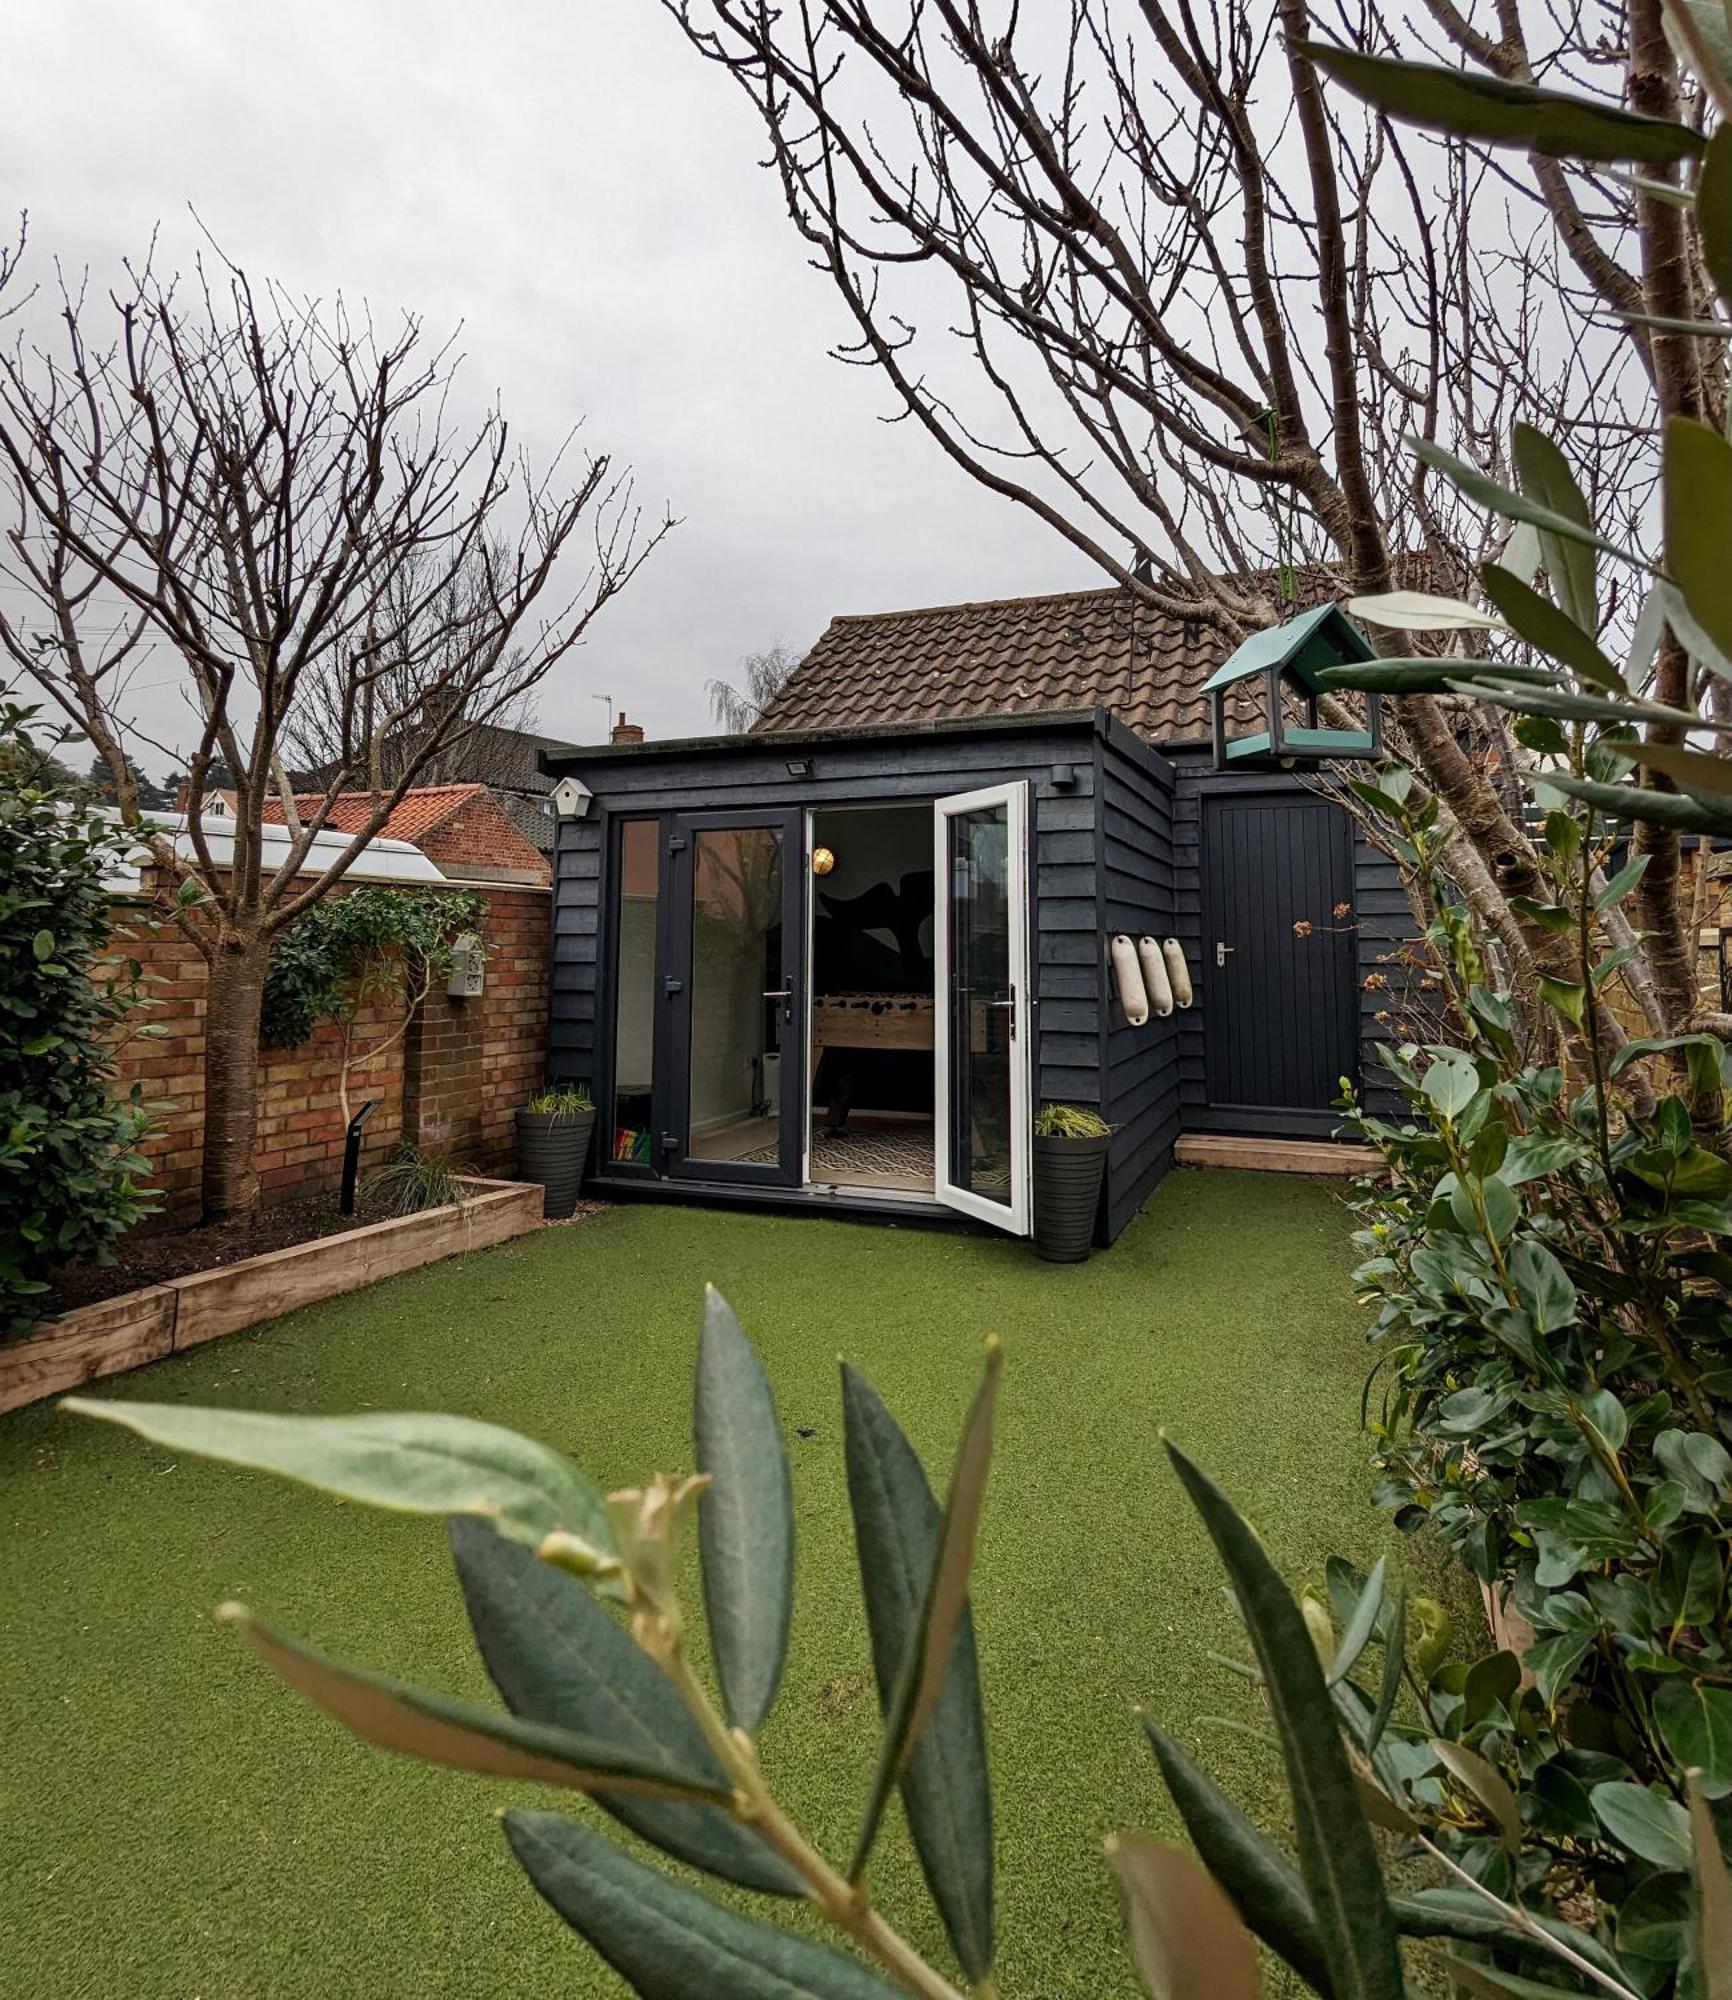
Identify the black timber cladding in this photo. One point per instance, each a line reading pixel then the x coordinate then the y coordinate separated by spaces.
pixel 1100 861
pixel 1134 841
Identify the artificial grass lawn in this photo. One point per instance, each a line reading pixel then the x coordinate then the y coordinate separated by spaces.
pixel 174 1822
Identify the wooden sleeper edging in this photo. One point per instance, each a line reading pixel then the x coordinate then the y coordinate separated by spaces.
pixel 116 1334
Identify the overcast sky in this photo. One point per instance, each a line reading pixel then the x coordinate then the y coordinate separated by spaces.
pixel 573 183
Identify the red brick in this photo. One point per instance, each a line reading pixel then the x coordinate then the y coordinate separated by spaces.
pixel 453 1081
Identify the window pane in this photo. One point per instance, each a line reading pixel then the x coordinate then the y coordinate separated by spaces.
pixel 737 1000
pixel 634 989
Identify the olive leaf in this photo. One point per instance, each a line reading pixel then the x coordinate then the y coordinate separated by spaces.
pixel 1337 1857
pixel 669 1942
pixel 409 1461
pixel 1469 104
pixel 1187 1943
pixel 746 1520
pixel 1265 1887
pixel 913 1571
pixel 559 1658
pixel 420 1723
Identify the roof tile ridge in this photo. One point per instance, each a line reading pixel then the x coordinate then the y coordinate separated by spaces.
pixel 1104 590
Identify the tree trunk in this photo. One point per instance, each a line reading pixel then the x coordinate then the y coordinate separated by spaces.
pixel 234 997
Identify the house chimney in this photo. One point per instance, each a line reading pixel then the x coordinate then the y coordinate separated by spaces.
pixel 626 732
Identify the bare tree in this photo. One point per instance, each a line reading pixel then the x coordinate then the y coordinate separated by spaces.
pixel 448 729
pixel 736 706
pixel 277 495
pixel 1136 271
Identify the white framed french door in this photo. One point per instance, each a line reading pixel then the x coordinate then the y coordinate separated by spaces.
pixel 983 1015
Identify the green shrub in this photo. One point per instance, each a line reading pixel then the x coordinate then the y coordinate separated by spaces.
pixel 1544 1252
pixel 70 1173
pixel 1546 1246
pixel 614 1706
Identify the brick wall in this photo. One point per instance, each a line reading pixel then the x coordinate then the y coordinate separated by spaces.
pixel 471 1063
pixel 452 1083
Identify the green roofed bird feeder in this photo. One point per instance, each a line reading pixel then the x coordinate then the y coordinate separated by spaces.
pixel 1296 653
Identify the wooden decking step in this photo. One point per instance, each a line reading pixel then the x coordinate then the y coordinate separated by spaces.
pixel 1272 1156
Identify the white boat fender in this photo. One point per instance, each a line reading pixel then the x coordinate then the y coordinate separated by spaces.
pixel 1128 978
pixel 1156 984
pixel 1177 970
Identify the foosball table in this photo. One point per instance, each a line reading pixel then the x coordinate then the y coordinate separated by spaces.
pixel 871 1021
pixel 866 1021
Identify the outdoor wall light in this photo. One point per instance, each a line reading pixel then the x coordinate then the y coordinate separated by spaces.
pixel 799 767
pixel 1063 777
pixel 822 861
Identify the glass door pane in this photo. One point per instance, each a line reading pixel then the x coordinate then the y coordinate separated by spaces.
pixel 637 900
pixel 982 981
pixel 740 1005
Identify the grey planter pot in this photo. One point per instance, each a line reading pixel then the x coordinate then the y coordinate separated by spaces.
pixel 552 1150
pixel 1067 1191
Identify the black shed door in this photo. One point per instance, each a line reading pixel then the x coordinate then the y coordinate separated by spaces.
pixel 1280 995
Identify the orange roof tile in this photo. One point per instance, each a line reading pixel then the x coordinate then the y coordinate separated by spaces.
pixel 416 814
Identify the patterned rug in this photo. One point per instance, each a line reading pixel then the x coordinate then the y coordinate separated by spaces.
pixel 838 1156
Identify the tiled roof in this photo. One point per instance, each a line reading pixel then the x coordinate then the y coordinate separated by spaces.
pixel 527 809
pixel 415 815
pixel 1081 649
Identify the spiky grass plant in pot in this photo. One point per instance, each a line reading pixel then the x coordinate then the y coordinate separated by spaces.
pixel 553 1131
pixel 1070 1162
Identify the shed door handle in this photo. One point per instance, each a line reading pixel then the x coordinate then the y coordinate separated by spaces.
pixel 1221 952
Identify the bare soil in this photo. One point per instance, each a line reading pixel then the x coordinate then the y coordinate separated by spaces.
pixel 148 1259
pixel 141 1259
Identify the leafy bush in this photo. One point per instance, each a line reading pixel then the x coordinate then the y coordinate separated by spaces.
pixel 70 1175
pixel 1547 1245
pixel 617 1710
pixel 1558 1356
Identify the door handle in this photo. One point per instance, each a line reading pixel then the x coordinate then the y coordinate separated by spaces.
pixel 1009 1007
pixel 781 993
pixel 1222 952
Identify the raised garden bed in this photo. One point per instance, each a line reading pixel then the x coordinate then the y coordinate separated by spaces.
pixel 113 1334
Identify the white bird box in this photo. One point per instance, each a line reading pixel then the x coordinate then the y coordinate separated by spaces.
pixel 571 798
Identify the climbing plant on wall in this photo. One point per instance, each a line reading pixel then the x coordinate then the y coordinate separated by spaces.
pixel 373 948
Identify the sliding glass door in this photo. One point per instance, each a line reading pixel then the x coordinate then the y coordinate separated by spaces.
pixel 983 1028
